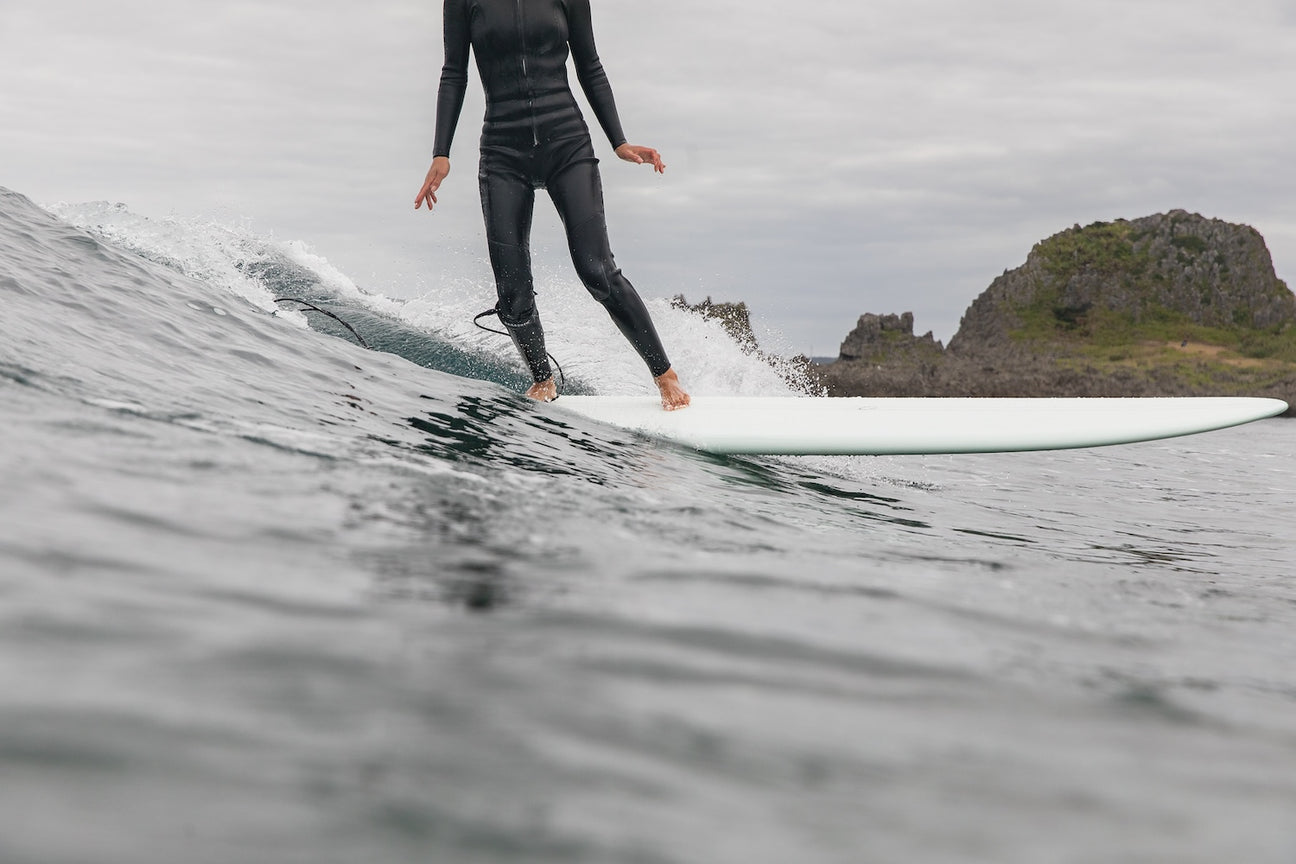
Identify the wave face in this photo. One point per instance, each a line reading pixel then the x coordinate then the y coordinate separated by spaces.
pixel 436 330
pixel 268 596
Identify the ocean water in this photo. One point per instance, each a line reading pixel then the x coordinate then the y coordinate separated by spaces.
pixel 268 596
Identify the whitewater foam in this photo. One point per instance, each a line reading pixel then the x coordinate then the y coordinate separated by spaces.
pixel 235 260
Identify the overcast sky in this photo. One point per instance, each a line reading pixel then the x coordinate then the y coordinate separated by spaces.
pixel 848 156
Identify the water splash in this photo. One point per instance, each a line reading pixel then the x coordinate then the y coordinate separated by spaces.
pixel 434 329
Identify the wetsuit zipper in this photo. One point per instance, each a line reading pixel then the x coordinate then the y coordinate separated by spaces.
pixel 526 80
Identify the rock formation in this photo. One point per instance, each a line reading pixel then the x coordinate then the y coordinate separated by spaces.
pixel 735 318
pixel 877 337
pixel 1171 304
pixel 1205 271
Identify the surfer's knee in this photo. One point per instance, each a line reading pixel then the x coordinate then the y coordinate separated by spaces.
pixel 603 292
pixel 603 280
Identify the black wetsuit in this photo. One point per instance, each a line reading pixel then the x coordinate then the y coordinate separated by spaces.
pixel 535 137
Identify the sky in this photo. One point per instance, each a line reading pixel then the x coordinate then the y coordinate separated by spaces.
pixel 824 159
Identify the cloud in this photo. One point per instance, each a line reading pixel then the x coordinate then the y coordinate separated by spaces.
pixel 825 160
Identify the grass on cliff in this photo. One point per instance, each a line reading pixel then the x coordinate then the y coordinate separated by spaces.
pixel 1110 248
pixel 1100 331
pixel 1159 342
pixel 1103 247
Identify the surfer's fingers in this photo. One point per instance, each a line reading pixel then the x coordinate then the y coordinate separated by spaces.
pixel 651 157
pixel 425 196
pixel 423 192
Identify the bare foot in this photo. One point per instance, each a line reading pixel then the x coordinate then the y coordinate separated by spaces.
pixel 543 391
pixel 672 394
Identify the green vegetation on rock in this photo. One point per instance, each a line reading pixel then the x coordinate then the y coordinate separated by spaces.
pixel 1103 247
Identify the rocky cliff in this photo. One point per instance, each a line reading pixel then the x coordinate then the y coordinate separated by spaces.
pixel 733 317
pixel 1171 304
pixel 1175 267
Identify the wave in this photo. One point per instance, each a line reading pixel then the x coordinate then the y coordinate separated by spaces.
pixel 434 329
pixel 176 320
pixel 164 328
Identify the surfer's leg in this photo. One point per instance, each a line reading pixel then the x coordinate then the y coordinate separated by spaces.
pixel 577 192
pixel 507 203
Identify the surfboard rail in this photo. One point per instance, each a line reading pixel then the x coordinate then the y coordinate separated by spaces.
pixel 825 426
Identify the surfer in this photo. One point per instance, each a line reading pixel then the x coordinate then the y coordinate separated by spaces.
pixel 535 137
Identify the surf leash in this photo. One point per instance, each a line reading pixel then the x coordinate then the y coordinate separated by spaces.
pixel 494 310
pixel 315 308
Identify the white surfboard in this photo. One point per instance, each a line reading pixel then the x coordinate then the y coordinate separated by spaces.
pixel 865 426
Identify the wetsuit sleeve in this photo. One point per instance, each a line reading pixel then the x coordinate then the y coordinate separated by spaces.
pixel 589 71
pixel 454 74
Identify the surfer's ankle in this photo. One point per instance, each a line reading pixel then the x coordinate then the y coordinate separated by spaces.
pixel 673 396
pixel 543 391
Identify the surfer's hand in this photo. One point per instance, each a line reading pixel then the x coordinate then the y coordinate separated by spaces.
pixel 642 156
pixel 427 195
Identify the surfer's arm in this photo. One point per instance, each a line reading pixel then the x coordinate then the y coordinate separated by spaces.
pixel 454 74
pixel 589 71
pixel 450 98
pixel 598 90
